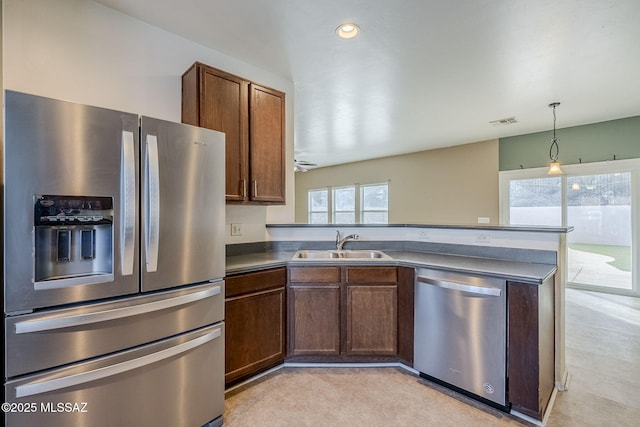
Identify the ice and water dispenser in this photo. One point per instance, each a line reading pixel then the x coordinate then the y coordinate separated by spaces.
pixel 73 239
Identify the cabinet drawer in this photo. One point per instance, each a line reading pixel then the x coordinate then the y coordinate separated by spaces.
pixel 254 282
pixel 372 274
pixel 314 275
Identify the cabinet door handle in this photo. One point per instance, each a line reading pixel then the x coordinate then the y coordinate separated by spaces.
pixel 255 188
pixel 244 188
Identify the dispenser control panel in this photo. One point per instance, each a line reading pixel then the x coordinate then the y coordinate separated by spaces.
pixel 73 237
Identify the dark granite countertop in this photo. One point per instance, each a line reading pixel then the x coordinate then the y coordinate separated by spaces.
pixel 257 261
pixel 525 272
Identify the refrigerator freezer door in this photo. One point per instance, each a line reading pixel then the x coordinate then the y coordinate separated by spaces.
pixel 58 337
pixel 183 217
pixel 174 382
pixel 59 154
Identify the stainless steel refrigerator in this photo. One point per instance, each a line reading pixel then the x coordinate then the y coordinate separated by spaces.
pixel 113 266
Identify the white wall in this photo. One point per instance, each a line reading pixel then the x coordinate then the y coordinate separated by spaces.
pixel 81 51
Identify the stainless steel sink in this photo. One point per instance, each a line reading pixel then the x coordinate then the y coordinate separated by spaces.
pixel 334 255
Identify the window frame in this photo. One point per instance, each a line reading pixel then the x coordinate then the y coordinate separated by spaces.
pixel 358 205
pixel 362 209
pixel 327 212
pixel 356 202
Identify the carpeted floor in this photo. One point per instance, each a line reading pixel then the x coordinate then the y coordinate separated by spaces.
pixel 603 357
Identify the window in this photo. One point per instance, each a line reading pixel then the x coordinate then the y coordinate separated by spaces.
pixel 355 204
pixel 535 201
pixel 344 205
pixel 375 204
pixel 599 200
pixel 319 206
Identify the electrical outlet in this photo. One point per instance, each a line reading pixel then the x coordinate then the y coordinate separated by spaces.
pixel 484 220
pixel 236 229
pixel 423 235
pixel 483 238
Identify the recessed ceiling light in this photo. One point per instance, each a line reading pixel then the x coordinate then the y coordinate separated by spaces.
pixel 347 30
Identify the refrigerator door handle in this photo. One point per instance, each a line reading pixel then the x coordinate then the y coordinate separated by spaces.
pixel 128 194
pixel 152 204
pixel 29 326
pixel 35 388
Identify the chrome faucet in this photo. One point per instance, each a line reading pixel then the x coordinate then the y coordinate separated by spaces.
pixel 340 242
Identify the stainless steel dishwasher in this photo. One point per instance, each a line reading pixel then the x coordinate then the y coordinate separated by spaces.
pixel 460 333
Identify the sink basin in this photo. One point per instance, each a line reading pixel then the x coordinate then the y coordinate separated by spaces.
pixel 318 255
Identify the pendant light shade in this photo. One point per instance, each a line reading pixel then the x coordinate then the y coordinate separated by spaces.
pixel 554 169
pixel 554 165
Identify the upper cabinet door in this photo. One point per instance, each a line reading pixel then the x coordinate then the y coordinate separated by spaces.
pixel 217 100
pixel 267 148
pixel 252 118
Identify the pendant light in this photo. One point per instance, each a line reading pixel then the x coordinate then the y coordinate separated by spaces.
pixel 554 165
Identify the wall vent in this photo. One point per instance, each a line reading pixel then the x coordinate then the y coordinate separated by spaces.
pixel 504 122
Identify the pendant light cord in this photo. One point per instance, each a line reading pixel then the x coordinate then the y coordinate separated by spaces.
pixel 554 150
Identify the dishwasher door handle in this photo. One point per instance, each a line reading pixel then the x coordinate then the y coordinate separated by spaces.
pixel 463 287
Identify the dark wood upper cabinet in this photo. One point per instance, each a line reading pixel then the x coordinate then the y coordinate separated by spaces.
pixel 253 120
pixel 266 145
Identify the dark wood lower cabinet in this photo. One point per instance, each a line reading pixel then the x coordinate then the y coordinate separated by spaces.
pixel 349 313
pixel 372 320
pixel 314 311
pixel 255 323
pixel 315 320
pixel 531 357
pixel 370 311
pixel 406 279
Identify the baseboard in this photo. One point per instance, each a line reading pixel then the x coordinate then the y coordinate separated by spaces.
pixel 564 384
pixel 546 415
pixel 254 378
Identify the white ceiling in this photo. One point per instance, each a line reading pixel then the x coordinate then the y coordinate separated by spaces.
pixel 423 73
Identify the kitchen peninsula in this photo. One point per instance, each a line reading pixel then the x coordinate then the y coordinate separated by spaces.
pixel 353 295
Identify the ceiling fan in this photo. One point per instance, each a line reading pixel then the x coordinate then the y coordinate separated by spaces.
pixel 302 165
